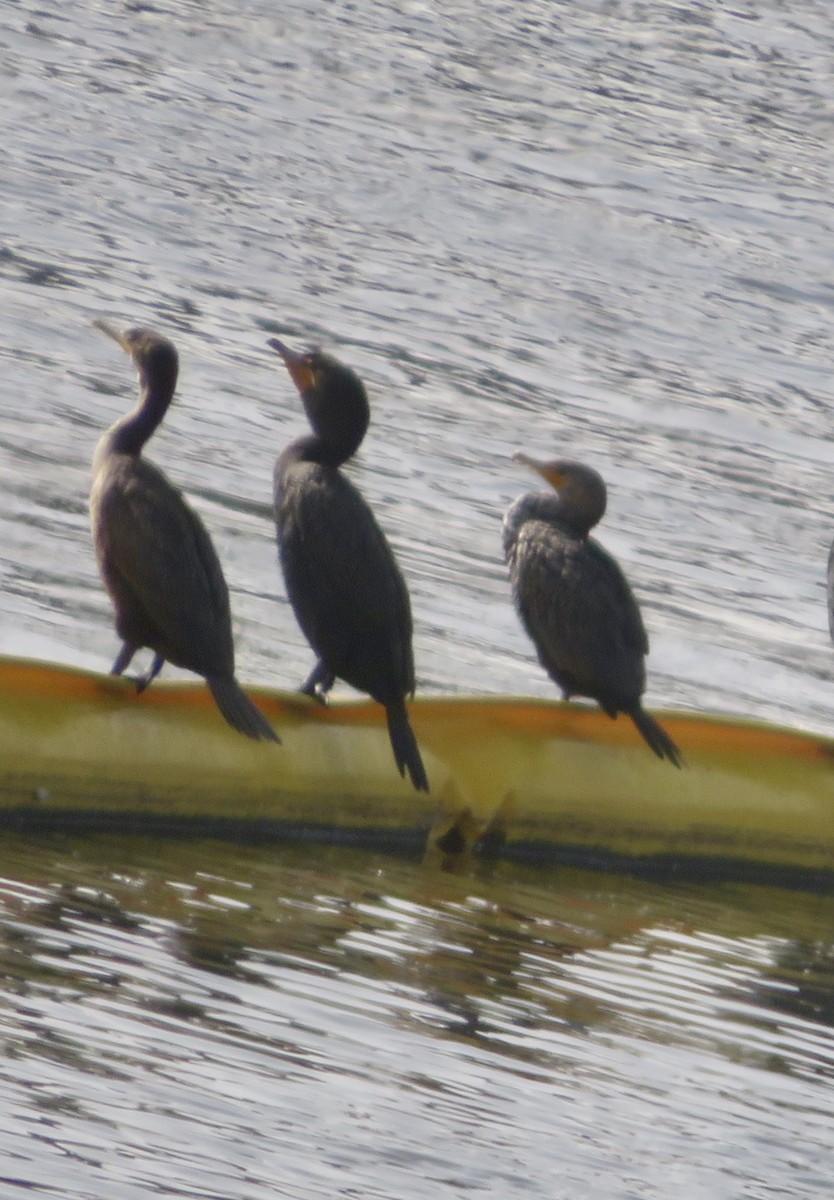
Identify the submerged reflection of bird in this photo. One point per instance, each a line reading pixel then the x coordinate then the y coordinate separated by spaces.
pixel 342 579
pixel 155 556
pixel 574 600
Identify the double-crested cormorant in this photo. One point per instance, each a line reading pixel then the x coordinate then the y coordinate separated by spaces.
pixel 574 600
pixel 343 582
pixel 155 556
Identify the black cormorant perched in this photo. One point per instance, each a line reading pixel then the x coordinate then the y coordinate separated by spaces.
pixel 342 579
pixel 155 556
pixel 574 600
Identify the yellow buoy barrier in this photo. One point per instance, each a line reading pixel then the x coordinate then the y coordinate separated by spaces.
pixel 523 777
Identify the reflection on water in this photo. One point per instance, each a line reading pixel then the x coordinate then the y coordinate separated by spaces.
pixel 326 1023
pixel 603 230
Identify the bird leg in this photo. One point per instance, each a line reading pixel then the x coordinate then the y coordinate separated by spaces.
pixel 123 658
pixel 143 681
pixel 318 683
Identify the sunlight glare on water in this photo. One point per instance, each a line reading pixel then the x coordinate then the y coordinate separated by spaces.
pixel 252 1023
pixel 602 230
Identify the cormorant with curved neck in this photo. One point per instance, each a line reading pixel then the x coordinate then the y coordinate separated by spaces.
pixel 155 556
pixel 574 600
pixel 342 579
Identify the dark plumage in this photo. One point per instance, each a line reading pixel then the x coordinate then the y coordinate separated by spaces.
pixel 342 579
pixel 574 600
pixel 155 556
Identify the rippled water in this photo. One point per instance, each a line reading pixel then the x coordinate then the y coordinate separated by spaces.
pixel 600 229
pixel 207 1021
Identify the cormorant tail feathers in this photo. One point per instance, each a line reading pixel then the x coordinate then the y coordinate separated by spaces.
pixel 239 710
pixel 404 745
pixel 656 736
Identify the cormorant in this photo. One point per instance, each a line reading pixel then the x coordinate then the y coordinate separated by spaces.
pixel 154 554
pixel 574 600
pixel 342 579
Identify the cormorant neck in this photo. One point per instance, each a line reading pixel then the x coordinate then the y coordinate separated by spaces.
pixel 574 523
pixel 330 451
pixel 338 411
pixel 559 511
pixel 130 433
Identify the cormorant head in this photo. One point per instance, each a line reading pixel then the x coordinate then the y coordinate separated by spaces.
pixel 333 395
pixel 581 489
pixel 154 356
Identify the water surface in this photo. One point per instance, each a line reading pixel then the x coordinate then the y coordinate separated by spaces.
pixel 601 230
pixel 604 232
pixel 216 1021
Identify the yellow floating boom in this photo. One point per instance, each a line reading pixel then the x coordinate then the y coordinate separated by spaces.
pixel 526 778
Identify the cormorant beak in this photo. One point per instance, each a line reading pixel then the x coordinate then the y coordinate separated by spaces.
pixel 546 469
pixel 112 332
pixel 299 368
